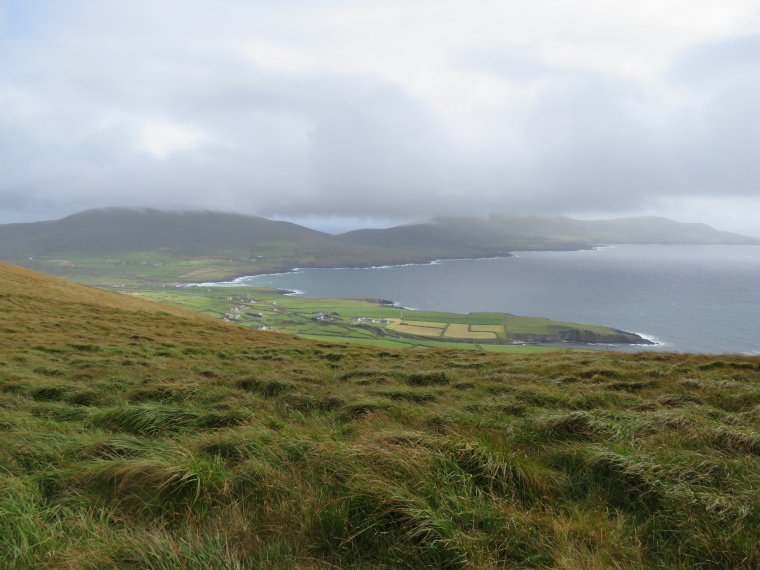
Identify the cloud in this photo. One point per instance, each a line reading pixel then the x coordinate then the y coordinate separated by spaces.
pixel 391 109
pixel 722 127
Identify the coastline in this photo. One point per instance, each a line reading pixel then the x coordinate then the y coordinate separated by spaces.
pixel 619 285
pixel 570 336
pixel 233 281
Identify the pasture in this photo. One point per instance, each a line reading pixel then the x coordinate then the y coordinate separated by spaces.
pixel 463 331
pixel 347 320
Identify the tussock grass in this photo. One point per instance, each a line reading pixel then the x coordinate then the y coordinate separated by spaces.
pixel 576 426
pixel 135 439
pixel 153 420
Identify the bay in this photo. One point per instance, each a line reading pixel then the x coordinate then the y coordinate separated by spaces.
pixel 686 298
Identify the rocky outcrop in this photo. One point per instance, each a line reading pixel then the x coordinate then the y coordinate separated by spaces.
pixel 584 336
pixel 615 337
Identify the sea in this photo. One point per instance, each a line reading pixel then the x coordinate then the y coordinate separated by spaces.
pixel 686 298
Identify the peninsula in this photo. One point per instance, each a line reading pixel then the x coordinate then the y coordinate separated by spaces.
pixel 119 245
pixel 149 252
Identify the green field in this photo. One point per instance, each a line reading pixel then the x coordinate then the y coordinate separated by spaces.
pixel 464 331
pixel 418 331
pixel 336 319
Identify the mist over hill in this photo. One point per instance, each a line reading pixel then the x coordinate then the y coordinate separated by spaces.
pixel 116 230
pixel 548 232
pixel 208 232
pixel 69 246
pixel 632 230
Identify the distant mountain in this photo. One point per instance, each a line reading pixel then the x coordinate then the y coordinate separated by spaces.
pixel 482 237
pixel 203 245
pixel 530 233
pixel 632 230
pixel 117 230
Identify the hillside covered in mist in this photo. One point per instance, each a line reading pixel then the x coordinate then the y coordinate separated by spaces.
pixel 265 245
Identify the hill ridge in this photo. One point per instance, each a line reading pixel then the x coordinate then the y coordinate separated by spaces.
pixel 199 246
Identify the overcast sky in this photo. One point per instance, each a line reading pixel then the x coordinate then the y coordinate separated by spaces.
pixel 390 110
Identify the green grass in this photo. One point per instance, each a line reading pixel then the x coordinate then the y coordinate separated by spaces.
pixel 296 315
pixel 225 455
pixel 517 348
pixel 134 435
pixel 531 325
pixel 352 340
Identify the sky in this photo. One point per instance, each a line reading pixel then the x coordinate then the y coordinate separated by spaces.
pixel 340 113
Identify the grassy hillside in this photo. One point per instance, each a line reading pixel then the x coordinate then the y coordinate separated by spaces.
pixel 135 246
pixel 119 245
pixel 480 235
pixel 120 230
pixel 133 435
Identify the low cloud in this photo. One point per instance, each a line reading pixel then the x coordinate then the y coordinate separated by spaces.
pixel 289 111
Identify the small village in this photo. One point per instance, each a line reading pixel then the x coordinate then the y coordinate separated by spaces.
pixel 241 313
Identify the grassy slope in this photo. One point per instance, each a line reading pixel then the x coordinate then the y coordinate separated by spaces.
pixel 119 245
pixel 136 436
pixel 114 245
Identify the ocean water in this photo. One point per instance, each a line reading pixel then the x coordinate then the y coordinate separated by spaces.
pixel 686 298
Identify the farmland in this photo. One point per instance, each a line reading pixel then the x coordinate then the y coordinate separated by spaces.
pixel 364 321
pixel 461 330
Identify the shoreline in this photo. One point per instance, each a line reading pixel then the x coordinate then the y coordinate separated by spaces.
pixel 429 261
pixel 627 303
pixel 233 281
pixel 634 340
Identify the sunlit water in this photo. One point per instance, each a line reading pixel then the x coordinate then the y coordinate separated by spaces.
pixel 688 298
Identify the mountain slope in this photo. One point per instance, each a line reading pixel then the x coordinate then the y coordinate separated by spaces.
pixel 197 233
pixel 133 436
pixel 635 230
pixel 118 245
pixel 193 246
pixel 118 230
pixel 429 239
pixel 506 233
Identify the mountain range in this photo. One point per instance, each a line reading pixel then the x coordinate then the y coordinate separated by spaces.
pixel 258 244
pixel 206 233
